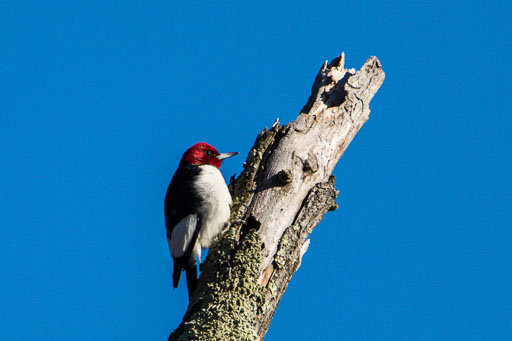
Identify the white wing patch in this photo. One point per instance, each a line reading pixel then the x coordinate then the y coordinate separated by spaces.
pixel 181 235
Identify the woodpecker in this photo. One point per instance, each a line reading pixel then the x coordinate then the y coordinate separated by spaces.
pixel 197 206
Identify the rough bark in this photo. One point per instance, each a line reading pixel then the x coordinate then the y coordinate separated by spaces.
pixel 282 194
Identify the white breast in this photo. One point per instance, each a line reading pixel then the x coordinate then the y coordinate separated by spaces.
pixel 215 206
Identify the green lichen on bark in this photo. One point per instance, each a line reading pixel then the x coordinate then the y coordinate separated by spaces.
pixel 290 237
pixel 226 303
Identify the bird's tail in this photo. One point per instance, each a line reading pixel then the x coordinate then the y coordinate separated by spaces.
pixel 191 274
pixel 176 274
pixel 191 279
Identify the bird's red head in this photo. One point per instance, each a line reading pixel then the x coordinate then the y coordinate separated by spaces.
pixel 203 154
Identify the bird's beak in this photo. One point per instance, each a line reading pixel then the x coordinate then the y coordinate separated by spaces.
pixel 223 156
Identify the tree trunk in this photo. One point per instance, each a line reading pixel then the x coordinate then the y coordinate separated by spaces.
pixel 284 191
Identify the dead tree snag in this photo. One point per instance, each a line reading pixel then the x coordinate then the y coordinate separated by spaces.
pixel 282 194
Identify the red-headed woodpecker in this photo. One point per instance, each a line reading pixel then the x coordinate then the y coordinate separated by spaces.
pixel 197 206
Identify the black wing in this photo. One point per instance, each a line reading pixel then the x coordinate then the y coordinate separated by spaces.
pixel 180 199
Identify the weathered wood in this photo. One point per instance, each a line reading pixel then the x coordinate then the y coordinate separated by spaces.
pixel 283 193
pixel 338 107
pixel 292 246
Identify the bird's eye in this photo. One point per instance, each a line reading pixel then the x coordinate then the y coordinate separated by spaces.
pixel 209 153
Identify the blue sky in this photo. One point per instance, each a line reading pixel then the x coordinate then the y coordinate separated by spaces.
pixel 99 100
